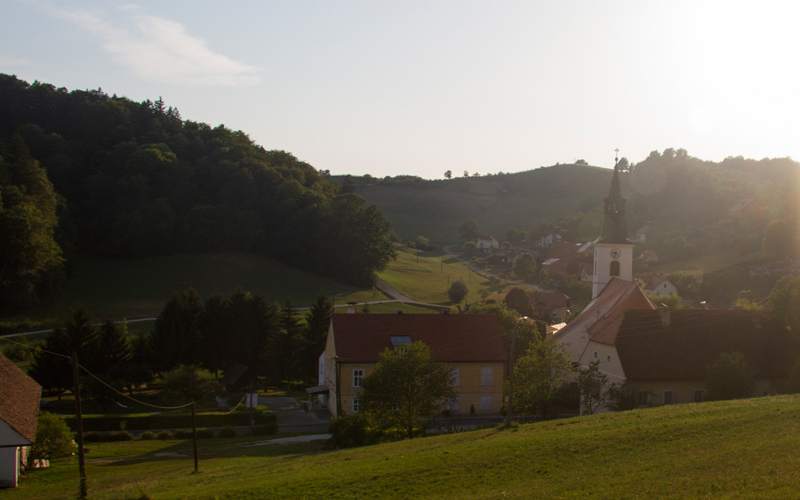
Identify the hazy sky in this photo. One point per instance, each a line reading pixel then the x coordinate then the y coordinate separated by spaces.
pixel 404 87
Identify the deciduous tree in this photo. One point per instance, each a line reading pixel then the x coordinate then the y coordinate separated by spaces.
pixel 730 377
pixel 592 383
pixel 543 369
pixel 458 291
pixel 469 230
pixel 405 387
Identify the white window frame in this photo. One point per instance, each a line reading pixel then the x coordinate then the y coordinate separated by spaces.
pixel 486 403
pixel 456 382
pixel 487 376
pixel 643 398
pixel 672 398
pixel 358 374
pixel 356 405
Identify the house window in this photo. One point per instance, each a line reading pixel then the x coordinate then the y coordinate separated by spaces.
pixel 356 405
pixel 608 358
pixel 358 374
pixel 698 395
pixel 486 402
pixel 456 380
pixel 452 404
pixel 643 398
pixel 400 343
pixel 595 354
pixel 487 379
pixel 614 271
pixel 669 397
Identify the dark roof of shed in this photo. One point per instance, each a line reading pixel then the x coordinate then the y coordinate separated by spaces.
pixel 548 300
pixel 695 339
pixel 452 338
pixel 19 400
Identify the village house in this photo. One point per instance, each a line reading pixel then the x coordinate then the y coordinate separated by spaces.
pixel 665 354
pixel 509 255
pixel 553 306
pixel 647 257
pixel 641 234
pixel 471 344
pixel 657 284
pixel 550 239
pixel 487 244
pixel 19 411
pixel 554 267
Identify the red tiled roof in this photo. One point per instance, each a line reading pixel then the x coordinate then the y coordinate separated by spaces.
pixel 615 298
pixel 548 300
pixel 695 339
pixel 652 281
pixel 360 338
pixel 19 400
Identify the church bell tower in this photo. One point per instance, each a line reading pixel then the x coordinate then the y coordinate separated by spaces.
pixel 613 251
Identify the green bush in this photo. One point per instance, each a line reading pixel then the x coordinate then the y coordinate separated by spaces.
pixel 147 436
pixel 205 433
pixel 350 431
pixel 227 432
pixel 183 434
pixel 265 429
pixel 165 435
pixel 264 418
pixel 107 437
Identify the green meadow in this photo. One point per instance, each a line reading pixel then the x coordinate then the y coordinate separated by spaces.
pixel 735 449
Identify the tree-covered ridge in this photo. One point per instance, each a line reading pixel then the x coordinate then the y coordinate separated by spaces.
pixel 139 181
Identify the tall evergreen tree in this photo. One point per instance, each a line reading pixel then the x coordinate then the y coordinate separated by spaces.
pixel 176 338
pixel 215 326
pixel 315 333
pixel 284 346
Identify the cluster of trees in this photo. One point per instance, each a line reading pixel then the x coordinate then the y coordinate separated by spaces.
pixel 138 180
pixel 31 256
pixel 190 332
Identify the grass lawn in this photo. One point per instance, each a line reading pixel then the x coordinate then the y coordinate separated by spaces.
pixel 424 276
pixel 138 288
pixel 737 449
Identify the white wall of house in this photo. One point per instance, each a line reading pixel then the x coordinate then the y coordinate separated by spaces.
pixel 665 288
pixel 10 456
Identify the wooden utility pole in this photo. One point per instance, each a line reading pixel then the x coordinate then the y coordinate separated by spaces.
pixel 194 437
pixel 76 390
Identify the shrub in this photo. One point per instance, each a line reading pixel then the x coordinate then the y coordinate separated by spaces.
pixel 729 377
pixel 93 437
pixel 118 436
pixel 147 436
pixel 205 433
pixel 53 439
pixel 350 431
pixel 183 434
pixel 227 432
pixel 165 435
pixel 265 429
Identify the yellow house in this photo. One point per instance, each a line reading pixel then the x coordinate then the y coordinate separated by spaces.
pixel 471 344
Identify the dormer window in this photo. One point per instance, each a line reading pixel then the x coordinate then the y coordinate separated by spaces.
pixel 400 343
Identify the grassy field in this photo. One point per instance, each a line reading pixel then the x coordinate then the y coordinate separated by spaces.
pixel 737 449
pixel 138 288
pixel 424 276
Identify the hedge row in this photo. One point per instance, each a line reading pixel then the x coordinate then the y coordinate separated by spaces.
pixel 167 421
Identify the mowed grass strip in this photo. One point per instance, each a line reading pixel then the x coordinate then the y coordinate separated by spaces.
pixel 738 449
pixel 424 276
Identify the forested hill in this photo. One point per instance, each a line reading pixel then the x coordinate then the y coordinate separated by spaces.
pixel 138 180
pixel 679 195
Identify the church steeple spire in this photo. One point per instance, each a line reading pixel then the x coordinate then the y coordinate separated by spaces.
pixel 615 230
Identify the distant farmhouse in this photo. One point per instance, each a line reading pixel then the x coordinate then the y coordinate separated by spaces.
pixel 487 244
pixel 657 284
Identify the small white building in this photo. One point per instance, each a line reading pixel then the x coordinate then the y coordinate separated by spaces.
pixel 487 244
pixel 550 239
pixel 641 234
pixel 656 284
pixel 19 413
pixel 647 256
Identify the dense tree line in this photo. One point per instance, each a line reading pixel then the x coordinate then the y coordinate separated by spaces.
pixel 139 180
pixel 213 333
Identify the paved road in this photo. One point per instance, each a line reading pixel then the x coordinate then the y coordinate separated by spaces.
pixel 399 297
pixel 291 417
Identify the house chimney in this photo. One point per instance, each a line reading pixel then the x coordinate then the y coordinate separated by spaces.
pixel 399 311
pixel 351 307
pixel 663 313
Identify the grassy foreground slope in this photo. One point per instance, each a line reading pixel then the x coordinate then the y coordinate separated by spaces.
pixel 737 449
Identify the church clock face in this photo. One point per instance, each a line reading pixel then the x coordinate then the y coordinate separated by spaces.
pixel 615 253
